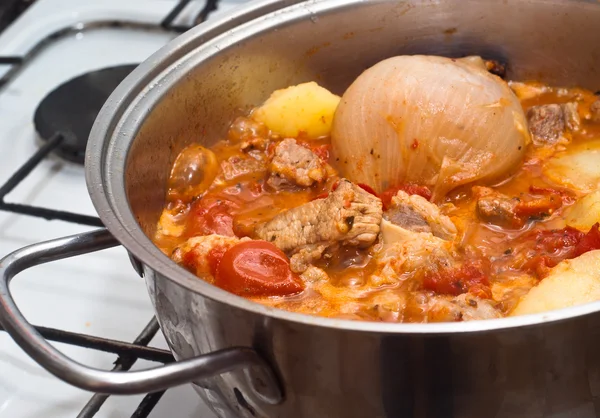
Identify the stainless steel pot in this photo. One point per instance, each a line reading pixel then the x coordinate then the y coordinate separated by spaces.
pixel 248 360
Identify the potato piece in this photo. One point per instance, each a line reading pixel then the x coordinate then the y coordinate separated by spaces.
pixel 578 167
pixel 306 108
pixel 585 213
pixel 572 282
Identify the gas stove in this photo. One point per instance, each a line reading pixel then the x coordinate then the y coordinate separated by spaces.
pixel 58 61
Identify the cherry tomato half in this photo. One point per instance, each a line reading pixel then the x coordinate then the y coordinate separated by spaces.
pixel 257 268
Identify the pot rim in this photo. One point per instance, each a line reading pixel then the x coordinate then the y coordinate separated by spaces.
pixel 124 112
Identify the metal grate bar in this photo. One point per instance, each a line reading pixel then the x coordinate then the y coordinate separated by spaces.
pixel 49 214
pixel 147 405
pixel 209 7
pixel 167 22
pixel 107 345
pixel 30 164
pixel 123 363
pixel 11 60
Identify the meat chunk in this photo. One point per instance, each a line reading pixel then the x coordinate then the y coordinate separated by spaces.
pixel 349 216
pixel 417 214
pixel 547 123
pixel 407 217
pixel 464 307
pixel 236 167
pixel 314 274
pixel 572 119
pixel 410 252
pixel 595 111
pixel 416 237
pixel 496 208
pixel 302 258
pixel 194 253
pixel 294 164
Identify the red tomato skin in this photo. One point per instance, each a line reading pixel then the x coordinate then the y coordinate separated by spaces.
pixel 367 189
pixel 321 196
pixel 214 258
pixel 256 269
pixel 322 151
pixel 565 195
pixel 209 217
pixel 589 242
pixel 553 246
pixel 470 277
pixel 538 206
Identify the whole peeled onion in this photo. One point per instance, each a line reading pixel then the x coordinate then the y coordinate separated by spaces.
pixel 428 120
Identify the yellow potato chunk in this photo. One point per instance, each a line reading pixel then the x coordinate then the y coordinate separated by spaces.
pixel 306 108
pixel 576 168
pixel 585 213
pixel 570 283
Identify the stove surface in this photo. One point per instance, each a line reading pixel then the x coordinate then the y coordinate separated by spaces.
pixel 97 294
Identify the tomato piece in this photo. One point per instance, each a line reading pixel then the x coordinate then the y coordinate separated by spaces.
pixel 550 247
pixel 214 257
pixel 257 268
pixel 321 196
pixel 538 206
pixel 322 151
pixel 556 240
pixel 565 195
pixel 589 242
pixel 410 188
pixel 367 189
pixel 540 265
pixel 210 216
pixel 470 277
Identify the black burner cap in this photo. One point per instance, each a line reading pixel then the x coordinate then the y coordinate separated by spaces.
pixel 72 107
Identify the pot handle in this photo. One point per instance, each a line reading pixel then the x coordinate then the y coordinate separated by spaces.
pixel 260 375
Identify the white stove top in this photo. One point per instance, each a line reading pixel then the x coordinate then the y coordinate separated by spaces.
pixel 97 294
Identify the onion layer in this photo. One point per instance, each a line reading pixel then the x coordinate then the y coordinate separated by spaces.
pixel 429 120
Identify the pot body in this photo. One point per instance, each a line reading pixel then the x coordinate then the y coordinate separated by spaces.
pixel 544 366
pixel 550 370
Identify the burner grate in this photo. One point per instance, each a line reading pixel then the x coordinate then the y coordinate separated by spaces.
pixel 128 353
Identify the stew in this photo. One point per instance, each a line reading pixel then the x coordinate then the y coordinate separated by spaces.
pixel 279 212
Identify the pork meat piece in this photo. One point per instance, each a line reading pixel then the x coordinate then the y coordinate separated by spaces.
pixel 572 119
pixel 236 167
pixel 496 208
pixel 410 253
pixel 417 214
pixel 294 164
pixel 548 123
pixel 464 307
pixel 193 254
pixel 349 216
